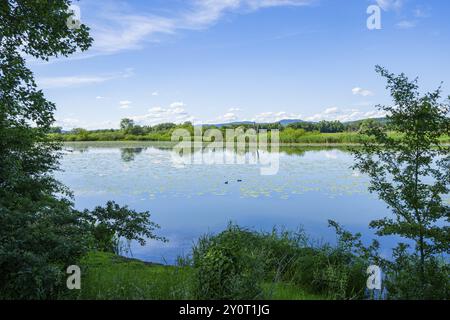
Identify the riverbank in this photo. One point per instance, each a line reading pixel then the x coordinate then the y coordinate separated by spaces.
pixel 106 276
pixel 303 139
pixel 236 263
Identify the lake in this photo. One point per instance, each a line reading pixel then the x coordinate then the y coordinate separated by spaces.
pixel 313 184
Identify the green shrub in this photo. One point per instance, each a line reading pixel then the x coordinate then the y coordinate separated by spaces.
pixel 234 263
pixel 109 224
pixel 335 273
pixel 38 241
pixel 225 268
pixel 403 277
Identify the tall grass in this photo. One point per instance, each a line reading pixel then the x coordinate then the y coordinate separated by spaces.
pixel 239 263
pixel 110 277
pixel 106 276
pixel 287 136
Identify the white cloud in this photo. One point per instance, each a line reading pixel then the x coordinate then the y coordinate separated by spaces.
pixel 177 105
pixel 390 4
pixel 226 118
pixel 362 92
pixel 205 13
pixel 265 117
pixel 123 32
pixel 230 116
pixel 99 97
pixel 67 123
pixel 175 113
pixel 331 110
pixel 77 81
pixel 125 104
pixel 155 94
pixel 70 123
pixel 345 115
pixel 118 28
pixel 269 117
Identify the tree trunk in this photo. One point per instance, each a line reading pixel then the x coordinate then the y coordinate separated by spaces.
pixel 422 257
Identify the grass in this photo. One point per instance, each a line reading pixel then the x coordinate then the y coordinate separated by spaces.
pixel 287 291
pixel 326 138
pixel 106 276
pixel 285 138
pixel 306 138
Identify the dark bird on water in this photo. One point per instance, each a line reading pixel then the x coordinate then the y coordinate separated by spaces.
pixel 239 180
pixel 226 182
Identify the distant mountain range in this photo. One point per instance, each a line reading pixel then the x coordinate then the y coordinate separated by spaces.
pixel 290 121
pixel 286 122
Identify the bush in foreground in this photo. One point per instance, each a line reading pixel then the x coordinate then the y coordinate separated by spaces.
pixel 235 263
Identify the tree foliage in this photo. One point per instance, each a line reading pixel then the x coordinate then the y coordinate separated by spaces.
pixel 112 223
pixel 40 232
pixel 411 174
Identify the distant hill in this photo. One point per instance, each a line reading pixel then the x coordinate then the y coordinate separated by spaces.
pixel 286 122
pixel 219 125
pixel 283 122
pixel 290 121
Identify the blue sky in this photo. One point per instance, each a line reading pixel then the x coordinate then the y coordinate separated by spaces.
pixel 211 61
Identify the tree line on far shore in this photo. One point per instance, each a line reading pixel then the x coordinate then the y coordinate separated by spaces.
pixel 295 132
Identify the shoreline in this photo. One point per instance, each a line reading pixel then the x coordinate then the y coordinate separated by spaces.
pixel 171 143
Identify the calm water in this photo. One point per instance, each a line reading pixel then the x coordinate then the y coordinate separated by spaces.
pixel 312 186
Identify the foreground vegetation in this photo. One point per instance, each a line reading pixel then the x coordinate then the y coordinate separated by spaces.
pixel 235 264
pixel 243 264
pixel 107 276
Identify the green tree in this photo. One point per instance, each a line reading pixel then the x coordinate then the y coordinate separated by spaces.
pixel 368 125
pixel 112 223
pixel 58 130
pixel 39 233
pixel 411 173
pixel 126 125
pixel 330 126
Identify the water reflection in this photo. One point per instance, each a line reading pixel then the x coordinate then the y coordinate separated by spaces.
pixel 128 154
pixel 313 184
pixel 129 149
